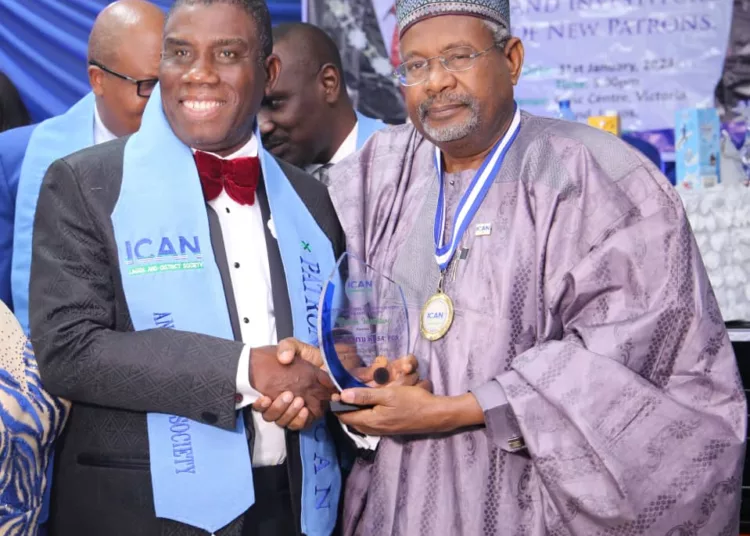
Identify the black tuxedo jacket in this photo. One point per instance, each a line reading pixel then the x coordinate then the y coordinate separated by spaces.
pixel 88 352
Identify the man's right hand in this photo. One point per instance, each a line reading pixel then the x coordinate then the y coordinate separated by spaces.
pixel 272 378
pixel 288 411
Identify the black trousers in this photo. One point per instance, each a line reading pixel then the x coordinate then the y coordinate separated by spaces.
pixel 272 513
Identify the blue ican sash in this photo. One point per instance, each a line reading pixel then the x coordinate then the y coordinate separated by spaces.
pixel 53 139
pixel 201 475
pixel 366 127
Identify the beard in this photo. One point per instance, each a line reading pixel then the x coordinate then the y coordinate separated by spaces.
pixel 455 131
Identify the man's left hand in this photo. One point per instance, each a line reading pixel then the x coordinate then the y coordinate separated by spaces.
pixel 397 410
pixel 287 411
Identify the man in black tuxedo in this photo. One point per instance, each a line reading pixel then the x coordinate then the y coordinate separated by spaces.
pixel 215 69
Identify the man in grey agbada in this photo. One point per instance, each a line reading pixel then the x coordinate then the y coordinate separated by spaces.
pixel 584 383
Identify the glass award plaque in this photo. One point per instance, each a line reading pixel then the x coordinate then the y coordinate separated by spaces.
pixel 363 325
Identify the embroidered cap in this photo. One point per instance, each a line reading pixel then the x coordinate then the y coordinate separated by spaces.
pixel 410 11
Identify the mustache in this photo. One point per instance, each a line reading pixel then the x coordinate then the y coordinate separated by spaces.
pixel 269 142
pixel 442 100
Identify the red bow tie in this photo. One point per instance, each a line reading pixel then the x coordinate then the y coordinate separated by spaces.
pixel 239 177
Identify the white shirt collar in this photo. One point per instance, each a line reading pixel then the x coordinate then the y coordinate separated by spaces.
pixel 347 147
pixel 249 149
pixel 101 132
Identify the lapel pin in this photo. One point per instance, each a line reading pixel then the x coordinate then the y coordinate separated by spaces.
pixel 483 229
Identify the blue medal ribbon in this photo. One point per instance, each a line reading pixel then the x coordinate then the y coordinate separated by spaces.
pixel 472 198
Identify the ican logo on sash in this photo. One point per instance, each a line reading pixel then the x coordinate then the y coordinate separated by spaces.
pixel 165 254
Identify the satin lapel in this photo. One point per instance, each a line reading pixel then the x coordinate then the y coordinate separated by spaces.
pixel 284 328
pixel 281 304
pixel 220 254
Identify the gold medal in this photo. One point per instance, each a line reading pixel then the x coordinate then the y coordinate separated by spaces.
pixel 437 315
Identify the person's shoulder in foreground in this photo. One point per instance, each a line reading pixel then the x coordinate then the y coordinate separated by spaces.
pixel 31 421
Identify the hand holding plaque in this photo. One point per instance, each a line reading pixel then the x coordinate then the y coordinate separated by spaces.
pixel 288 411
pixel 363 327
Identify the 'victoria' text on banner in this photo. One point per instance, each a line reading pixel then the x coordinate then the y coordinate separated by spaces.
pixel 642 58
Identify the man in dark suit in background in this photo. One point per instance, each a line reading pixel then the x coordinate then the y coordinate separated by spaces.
pixel 308 118
pixel 91 346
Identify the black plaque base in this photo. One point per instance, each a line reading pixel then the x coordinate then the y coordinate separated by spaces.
pixel 341 407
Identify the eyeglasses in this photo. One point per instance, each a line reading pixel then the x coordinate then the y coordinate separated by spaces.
pixel 414 72
pixel 144 87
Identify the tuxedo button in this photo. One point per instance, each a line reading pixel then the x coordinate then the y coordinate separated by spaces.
pixel 228 211
pixel 209 418
pixel 238 398
pixel 236 265
pixel 246 320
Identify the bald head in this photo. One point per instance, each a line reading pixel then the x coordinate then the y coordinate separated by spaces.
pixel 125 39
pixel 307 115
pixel 305 44
pixel 119 25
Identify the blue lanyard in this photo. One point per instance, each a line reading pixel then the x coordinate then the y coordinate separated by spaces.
pixel 472 198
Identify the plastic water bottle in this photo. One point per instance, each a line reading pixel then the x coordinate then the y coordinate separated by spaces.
pixel 745 155
pixel 745 149
pixel 565 112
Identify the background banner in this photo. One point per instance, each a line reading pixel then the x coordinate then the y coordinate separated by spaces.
pixel 642 58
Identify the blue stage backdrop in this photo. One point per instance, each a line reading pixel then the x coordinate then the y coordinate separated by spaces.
pixel 43 47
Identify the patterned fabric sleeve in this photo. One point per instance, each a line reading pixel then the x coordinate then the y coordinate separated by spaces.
pixel 631 407
pixel 498 416
pixel 30 421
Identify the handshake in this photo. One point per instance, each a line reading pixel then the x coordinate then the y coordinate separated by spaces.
pixel 297 389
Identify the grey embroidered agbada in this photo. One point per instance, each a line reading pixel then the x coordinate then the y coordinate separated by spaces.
pixel 584 321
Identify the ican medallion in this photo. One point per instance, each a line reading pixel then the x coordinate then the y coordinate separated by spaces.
pixel 437 316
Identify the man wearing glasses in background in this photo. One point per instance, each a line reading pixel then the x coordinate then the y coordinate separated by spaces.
pixel 123 59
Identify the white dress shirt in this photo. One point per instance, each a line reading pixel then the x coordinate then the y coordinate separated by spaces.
pixel 247 259
pixel 386 16
pixel 101 133
pixel 347 147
